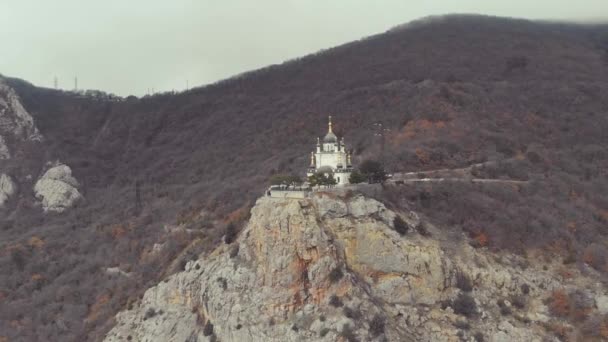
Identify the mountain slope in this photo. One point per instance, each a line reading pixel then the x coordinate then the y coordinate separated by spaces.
pixel 163 176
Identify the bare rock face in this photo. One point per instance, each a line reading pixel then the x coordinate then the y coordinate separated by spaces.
pixel 332 268
pixel 15 121
pixel 4 151
pixel 7 188
pixel 57 189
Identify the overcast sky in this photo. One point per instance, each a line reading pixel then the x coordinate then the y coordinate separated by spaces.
pixel 130 46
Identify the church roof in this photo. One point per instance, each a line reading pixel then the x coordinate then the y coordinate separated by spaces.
pixel 330 137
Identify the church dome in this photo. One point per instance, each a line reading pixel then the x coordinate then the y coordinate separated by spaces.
pixel 330 138
pixel 325 169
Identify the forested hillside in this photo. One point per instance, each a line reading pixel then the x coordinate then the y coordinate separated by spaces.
pixel 453 91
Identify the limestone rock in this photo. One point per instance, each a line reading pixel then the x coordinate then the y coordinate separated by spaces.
pixel 14 119
pixel 602 304
pixel 323 269
pixel 57 189
pixel 4 151
pixel 7 188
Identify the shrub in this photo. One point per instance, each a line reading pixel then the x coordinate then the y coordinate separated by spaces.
pixel 18 258
pixel 516 62
pixel 347 334
pixel 463 325
pixel 234 251
pixel 356 177
pixel 464 305
pixel 373 171
pixel 335 275
pixel 149 313
pixel 479 337
pixel 421 229
pixel 559 303
pixel 518 301
pixel 463 282
pixel 504 309
pixel 376 326
pixel 285 179
pixel 400 225
pixel 351 313
pixel 323 332
pixel 231 232
pixel 223 283
pixel 525 289
pixel 335 301
pixel 208 329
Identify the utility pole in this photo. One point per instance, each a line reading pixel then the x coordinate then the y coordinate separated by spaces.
pixel 137 198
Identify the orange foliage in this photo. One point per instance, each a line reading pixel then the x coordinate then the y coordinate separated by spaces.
pixel 558 329
pixel 565 273
pixel 97 306
pixel 238 215
pixel 532 120
pixel 481 239
pixel 560 247
pixel 604 329
pixel 559 303
pixel 571 226
pixel 187 215
pixel 423 156
pixel 588 257
pixel 415 127
pixel 37 276
pixel 603 214
pixel 36 242
pixel 11 248
pixel 118 231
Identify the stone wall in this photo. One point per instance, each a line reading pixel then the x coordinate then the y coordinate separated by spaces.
pixel 288 194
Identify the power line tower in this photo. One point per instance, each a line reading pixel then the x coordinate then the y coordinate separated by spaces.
pixel 55 82
pixel 75 83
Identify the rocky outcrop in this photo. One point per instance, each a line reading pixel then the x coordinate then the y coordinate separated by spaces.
pixel 57 189
pixel 15 121
pixel 7 188
pixel 4 151
pixel 333 268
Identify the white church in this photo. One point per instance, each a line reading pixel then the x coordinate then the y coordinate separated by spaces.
pixel 331 158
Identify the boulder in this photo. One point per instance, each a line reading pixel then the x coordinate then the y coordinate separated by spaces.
pixel 7 188
pixel 57 189
pixel 4 151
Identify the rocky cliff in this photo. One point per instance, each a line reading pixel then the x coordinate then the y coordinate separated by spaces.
pixel 332 267
pixel 21 150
